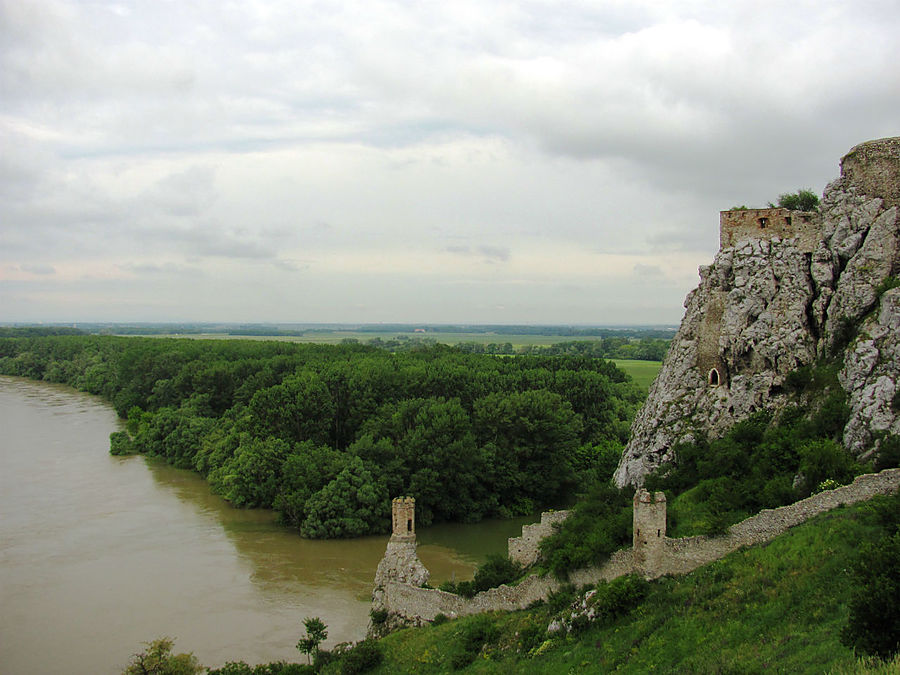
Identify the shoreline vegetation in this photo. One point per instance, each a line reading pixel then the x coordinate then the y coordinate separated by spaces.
pixel 326 434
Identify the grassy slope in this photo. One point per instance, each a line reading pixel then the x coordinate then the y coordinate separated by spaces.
pixel 778 607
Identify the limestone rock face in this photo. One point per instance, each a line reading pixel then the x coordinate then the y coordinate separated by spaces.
pixel 400 563
pixel 770 303
pixel 871 374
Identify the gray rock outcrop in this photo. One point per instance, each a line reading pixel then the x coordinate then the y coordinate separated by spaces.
pixel 786 289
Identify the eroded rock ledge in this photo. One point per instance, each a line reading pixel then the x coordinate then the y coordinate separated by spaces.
pixel 780 294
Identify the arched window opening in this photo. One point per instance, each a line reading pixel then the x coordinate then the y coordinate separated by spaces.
pixel 714 378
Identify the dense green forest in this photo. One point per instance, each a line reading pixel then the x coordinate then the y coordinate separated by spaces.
pixel 327 434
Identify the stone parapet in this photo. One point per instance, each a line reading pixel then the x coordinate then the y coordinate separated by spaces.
pixel 677 556
pixel 526 549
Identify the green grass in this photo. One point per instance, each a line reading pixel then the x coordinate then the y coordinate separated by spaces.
pixel 778 607
pixel 642 372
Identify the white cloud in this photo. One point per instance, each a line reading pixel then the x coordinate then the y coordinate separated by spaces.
pixel 392 159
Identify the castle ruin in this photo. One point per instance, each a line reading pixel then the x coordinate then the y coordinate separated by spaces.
pixel 738 224
pixel 649 531
pixel 652 554
pixel 400 562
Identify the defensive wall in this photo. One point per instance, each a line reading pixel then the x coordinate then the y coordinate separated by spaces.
pixel 525 549
pixel 652 555
pixel 738 224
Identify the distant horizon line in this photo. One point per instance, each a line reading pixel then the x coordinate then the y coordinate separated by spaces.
pixel 340 324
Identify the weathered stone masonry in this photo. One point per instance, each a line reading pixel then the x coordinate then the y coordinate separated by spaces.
pixel 785 290
pixel 653 554
pixel 400 562
pixel 525 549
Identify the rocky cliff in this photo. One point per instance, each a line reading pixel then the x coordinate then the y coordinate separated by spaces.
pixel 788 289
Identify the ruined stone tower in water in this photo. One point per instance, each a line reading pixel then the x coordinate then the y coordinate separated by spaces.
pixel 400 562
pixel 403 519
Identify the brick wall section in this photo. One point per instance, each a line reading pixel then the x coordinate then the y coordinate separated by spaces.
pixel 804 226
pixel 525 549
pixel 680 557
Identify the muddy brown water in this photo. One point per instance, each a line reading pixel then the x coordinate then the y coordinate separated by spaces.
pixel 99 554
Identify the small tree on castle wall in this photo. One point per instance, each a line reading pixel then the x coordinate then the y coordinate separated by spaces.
pixel 802 200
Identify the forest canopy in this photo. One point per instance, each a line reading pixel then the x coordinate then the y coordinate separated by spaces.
pixel 327 434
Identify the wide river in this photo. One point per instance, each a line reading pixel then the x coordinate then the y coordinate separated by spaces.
pixel 99 554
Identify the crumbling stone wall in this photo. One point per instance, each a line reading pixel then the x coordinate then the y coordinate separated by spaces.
pixel 667 556
pixel 804 226
pixel 525 549
pixel 873 167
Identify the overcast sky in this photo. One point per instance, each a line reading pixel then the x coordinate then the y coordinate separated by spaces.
pixel 544 161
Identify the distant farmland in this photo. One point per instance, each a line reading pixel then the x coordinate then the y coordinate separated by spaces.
pixel 642 372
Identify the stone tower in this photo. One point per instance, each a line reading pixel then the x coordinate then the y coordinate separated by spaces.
pixel 403 519
pixel 649 530
pixel 400 562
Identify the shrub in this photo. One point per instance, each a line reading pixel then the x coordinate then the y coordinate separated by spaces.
pixel 378 616
pixel 274 668
pixel 472 637
pixel 532 634
pixel 158 659
pixel 598 526
pixel 888 453
pixel 120 443
pixel 463 588
pixel 439 619
pixel 802 200
pixel 618 597
pixel 824 459
pixel 497 569
pixel 799 380
pixel 361 658
pixel 874 624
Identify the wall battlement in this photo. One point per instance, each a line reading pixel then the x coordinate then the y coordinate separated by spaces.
pixel 804 226
pixel 418 605
pixel 525 549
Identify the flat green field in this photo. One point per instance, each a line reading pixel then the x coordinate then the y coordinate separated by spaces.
pixel 643 372
pixel 338 336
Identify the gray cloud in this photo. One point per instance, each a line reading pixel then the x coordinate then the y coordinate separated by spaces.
pixel 43 270
pixel 490 254
pixel 254 141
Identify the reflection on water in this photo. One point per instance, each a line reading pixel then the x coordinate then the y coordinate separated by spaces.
pixel 98 553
